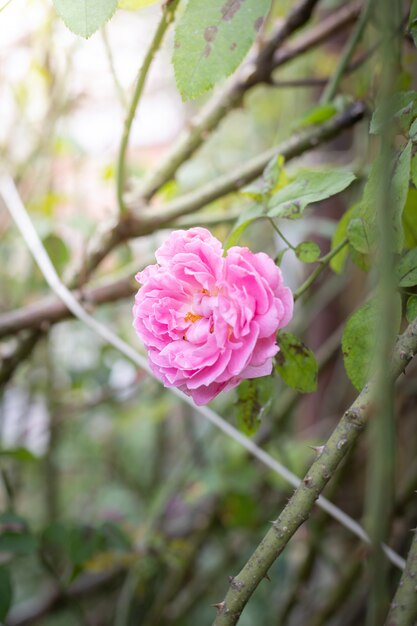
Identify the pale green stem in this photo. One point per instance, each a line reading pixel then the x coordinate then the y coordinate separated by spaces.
pixel 323 263
pixel 380 485
pixel 110 59
pixel 334 82
pixel 166 20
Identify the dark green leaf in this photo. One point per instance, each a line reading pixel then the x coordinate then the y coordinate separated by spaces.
pixel 211 40
pixel 361 237
pixel 399 188
pixel 400 185
pixel 296 364
pixel 253 398
pixel 15 538
pixel 308 252
pixel 84 17
pixel 411 310
pixel 359 341
pixel 309 186
pixel 401 106
pixel 57 250
pixel 407 269
pixel 6 593
pixel 410 219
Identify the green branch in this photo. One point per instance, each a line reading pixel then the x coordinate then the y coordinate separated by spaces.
pixel 300 505
pixel 168 13
pixel 403 611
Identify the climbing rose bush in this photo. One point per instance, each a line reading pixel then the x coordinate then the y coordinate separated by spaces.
pixel 209 321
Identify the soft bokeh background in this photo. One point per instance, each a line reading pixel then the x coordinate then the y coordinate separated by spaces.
pixel 113 474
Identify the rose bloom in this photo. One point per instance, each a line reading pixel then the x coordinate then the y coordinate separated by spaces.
pixel 209 321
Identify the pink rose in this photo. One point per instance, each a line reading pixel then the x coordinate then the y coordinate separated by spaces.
pixel 209 321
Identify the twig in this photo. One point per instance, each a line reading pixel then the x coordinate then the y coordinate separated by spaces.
pixel 323 263
pixel 52 310
pixel 110 59
pixel 403 610
pixel 325 29
pixel 257 70
pixel 22 220
pixel 168 12
pixel 131 226
pixel 229 183
pixel 333 84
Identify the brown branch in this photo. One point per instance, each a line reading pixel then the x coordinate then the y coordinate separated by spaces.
pixel 52 310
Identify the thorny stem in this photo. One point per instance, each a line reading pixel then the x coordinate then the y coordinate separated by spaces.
pixel 403 610
pixel 323 263
pixel 300 505
pixel 168 12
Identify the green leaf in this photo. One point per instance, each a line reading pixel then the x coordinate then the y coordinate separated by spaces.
pixel 410 219
pixel 6 593
pixel 308 252
pixel 309 186
pixel 317 115
pixel 20 454
pixel 85 17
pixel 247 217
pixel 253 398
pixel 411 309
pixel 401 106
pixel 296 364
pixel 358 344
pixel 57 250
pixel 15 538
pixel 338 262
pixel 134 5
pixel 400 184
pixel 360 236
pixel 211 40
pixel 407 269
pixel 400 177
pixel 413 131
pixel 270 178
pixel 359 341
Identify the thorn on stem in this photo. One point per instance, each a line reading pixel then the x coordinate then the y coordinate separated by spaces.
pixel 219 606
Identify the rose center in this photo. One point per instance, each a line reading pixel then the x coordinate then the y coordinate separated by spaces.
pixel 192 317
